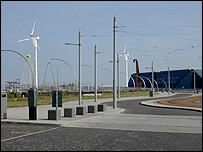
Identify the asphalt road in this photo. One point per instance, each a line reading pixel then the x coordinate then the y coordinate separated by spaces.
pixel 23 137
pixel 80 139
pixel 134 107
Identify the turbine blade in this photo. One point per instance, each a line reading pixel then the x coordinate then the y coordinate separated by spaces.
pixel 124 49
pixel 38 47
pixel 24 40
pixel 33 29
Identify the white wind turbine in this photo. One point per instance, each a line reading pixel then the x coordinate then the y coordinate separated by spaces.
pixel 34 40
pixel 126 66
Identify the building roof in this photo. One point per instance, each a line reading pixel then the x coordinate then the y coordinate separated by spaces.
pixel 199 72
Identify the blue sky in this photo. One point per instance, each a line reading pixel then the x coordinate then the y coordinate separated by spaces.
pixel 167 33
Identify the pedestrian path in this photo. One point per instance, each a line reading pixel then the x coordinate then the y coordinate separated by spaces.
pixel 138 122
pixel 21 114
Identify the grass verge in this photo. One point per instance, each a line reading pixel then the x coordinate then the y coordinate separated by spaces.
pixel 48 100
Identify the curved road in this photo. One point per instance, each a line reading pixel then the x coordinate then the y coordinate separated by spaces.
pixel 134 107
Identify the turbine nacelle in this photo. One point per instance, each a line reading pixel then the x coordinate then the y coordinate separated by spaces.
pixel 34 37
pixel 124 54
pixel 37 37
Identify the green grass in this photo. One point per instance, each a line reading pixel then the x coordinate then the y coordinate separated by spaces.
pixel 48 101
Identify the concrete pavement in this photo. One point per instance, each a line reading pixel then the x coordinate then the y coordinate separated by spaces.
pixel 21 114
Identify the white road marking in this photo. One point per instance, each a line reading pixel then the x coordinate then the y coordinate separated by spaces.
pixel 29 134
pixel 19 132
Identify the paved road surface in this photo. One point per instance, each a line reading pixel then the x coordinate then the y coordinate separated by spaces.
pixel 134 107
pixel 139 128
pixel 85 139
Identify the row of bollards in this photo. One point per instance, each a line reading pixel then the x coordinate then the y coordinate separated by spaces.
pixel 80 110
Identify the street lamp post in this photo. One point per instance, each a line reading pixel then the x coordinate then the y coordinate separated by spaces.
pixel 168 81
pixel 114 65
pixel 152 79
pixel 57 97
pixel 26 61
pixel 152 91
pixel 194 83
pixel 72 71
pixel 95 73
pixel 118 75
pixel 32 92
pixel 80 72
pixel 150 83
pixel 164 83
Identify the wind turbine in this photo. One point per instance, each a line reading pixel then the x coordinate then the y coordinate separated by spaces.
pixel 126 65
pixel 34 40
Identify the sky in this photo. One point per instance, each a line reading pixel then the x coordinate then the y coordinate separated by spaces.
pixel 167 33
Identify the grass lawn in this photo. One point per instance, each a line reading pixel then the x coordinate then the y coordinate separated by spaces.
pixel 48 100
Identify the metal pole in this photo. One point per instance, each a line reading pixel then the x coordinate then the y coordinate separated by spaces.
pixel 118 60
pixel 168 81
pixel 80 72
pixel 95 74
pixel 114 66
pixel 152 79
pixel 57 97
pixel 194 82
pixel 126 73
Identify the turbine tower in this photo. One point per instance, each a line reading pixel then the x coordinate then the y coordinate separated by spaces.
pixel 34 40
pixel 126 65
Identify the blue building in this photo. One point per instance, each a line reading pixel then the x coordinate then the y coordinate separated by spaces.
pixel 179 79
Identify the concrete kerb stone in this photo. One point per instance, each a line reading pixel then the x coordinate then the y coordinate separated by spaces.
pixel 153 103
pixel 34 122
pixel 197 94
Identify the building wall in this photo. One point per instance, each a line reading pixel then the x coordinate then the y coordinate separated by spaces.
pixel 179 79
